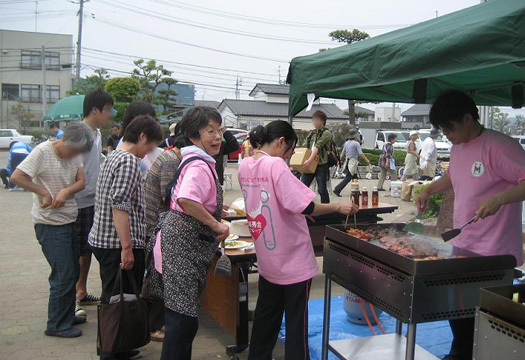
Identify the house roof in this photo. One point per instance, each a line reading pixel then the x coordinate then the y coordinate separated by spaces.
pixel 272 89
pixel 417 110
pixel 211 103
pixel 360 109
pixel 265 109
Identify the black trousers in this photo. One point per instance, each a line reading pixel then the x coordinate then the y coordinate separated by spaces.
pixel 109 263
pixel 180 332
pixel 463 342
pixel 321 175
pixel 273 300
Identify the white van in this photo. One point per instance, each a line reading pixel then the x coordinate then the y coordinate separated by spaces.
pixel 382 137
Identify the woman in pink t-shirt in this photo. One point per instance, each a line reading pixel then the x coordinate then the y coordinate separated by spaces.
pixel 190 232
pixel 276 205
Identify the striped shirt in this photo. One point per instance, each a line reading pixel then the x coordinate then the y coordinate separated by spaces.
pixel 48 170
pixel 119 187
pixel 161 173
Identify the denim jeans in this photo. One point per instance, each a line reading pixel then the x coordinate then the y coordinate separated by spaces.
pixel 321 175
pixel 180 332
pixel 61 249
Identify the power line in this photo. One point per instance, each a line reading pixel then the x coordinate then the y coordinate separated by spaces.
pixel 179 63
pixel 178 67
pixel 178 20
pixel 224 14
pixel 126 27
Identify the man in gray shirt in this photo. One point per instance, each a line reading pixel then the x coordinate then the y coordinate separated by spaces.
pixel 98 110
pixel 351 152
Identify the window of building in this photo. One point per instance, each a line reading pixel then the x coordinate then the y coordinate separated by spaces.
pixel 10 91
pixel 31 93
pixel 53 93
pixel 32 59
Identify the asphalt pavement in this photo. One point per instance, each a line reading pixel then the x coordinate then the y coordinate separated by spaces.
pixel 24 290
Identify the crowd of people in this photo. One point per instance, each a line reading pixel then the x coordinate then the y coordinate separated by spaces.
pixel 157 213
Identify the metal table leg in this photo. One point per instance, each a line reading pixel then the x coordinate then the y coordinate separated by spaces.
pixel 411 342
pixel 399 326
pixel 326 318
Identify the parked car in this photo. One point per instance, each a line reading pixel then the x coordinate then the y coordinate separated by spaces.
pixel 9 136
pixel 234 156
pixel 443 145
pixel 521 140
pixel 382 137
pixel 237 131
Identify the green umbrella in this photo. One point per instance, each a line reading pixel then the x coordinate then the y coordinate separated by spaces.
pixel 480 50
pixel 68 108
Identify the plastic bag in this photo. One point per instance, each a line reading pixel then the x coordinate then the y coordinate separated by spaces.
pixel 239 206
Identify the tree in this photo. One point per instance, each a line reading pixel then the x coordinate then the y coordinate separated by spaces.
pixel 349 37
pixel 22 115
pixel 520 125
pixel 123 89
pixel 501 123
pixel 98 79
pixel 151 76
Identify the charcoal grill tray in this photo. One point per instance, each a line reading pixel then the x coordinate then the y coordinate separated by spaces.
pixel 470 262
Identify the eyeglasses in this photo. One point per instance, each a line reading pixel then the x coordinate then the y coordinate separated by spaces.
pixel 212 133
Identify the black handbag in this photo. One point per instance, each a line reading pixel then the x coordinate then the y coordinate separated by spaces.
pixel 123 325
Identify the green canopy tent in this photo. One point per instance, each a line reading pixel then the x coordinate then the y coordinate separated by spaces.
pixel 68 108
pixel 480 50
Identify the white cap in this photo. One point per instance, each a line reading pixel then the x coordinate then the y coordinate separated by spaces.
pixel 413 132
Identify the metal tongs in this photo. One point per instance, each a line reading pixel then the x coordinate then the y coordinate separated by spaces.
pixel 355 216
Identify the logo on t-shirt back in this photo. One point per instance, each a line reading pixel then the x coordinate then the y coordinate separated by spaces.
pixel 478 169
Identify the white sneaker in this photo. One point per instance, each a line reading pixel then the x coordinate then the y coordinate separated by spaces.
pixel 79 311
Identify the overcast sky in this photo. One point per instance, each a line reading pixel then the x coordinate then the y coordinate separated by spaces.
pixel 213 42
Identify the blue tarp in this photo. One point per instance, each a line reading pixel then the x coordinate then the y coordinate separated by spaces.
pixel 434 337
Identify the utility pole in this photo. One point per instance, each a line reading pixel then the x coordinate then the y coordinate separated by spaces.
pixel 79 43
pixel 36 15
pixel 238 83
pixel 280 83
pixel 44 82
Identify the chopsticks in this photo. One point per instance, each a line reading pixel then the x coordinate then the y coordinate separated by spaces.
pixel 348 216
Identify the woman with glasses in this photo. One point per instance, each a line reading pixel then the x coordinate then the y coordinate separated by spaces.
pixel 190 232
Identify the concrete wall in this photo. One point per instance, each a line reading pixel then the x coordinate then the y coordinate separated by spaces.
pixel 385 114
pixel 12 43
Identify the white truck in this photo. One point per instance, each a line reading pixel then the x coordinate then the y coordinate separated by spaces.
pixel 9 136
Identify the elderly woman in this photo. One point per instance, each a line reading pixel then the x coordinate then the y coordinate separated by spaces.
pixel 411 169
pixel 351 153
pixel 190 231
pixel 387 162
pixel 53 173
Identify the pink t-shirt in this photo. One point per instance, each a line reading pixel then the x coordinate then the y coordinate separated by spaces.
pixel 489 164
pixel 196 183
pixel 275 199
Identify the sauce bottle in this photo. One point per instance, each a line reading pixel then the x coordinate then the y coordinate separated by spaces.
pixel 364 197
pixel 355 191
pixel 375 197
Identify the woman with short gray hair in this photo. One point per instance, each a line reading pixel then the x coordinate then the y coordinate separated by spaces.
pixel 53 173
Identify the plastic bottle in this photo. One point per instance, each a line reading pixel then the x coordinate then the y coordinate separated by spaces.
pixel 355 191
pixel 364 197
pixel 375 197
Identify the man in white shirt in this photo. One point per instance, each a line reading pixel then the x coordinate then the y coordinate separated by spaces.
pixel 429 156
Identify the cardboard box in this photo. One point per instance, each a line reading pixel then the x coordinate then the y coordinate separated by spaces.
pixel 298 158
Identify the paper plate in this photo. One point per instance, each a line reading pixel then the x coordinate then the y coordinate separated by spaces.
pixel 237 244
